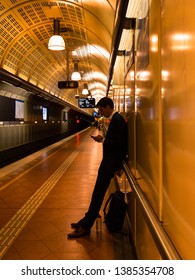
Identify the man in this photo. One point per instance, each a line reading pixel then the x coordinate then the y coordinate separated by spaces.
pixel 114 151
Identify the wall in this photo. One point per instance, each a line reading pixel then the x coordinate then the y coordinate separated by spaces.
pixel 163 138
pixel 148 129
pixel 20 137
pixel 32 128
pixel 178 87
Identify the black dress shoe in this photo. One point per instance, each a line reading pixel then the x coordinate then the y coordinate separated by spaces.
pixel 78 224
pixel 79 232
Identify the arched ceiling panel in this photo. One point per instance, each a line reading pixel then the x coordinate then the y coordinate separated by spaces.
pixel 26 27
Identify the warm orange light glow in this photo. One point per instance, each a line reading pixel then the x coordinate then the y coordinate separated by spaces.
pixel 154 43
pixel 181 41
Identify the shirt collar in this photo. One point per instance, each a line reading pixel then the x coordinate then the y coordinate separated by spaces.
pixel 109 118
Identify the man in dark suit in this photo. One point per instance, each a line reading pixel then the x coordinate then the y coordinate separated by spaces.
pixel 114 151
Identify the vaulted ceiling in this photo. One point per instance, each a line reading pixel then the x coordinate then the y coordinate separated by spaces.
pixel 25 29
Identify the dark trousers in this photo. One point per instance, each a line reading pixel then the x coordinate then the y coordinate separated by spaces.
pixel 105 173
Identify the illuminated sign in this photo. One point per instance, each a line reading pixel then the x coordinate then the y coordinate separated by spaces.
pixel 67 84
pixel 86 102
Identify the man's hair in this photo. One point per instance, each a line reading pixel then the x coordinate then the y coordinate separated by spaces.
pixel 105 101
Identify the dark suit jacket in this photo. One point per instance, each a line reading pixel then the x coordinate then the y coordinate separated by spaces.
pixel 115 143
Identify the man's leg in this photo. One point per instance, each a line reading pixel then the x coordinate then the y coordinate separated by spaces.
pixel 104 177
pixel 105 174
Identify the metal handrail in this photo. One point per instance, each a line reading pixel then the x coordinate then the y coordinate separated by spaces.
pixel 164 244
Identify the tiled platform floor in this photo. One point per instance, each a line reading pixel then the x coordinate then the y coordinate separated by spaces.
pixel 53 187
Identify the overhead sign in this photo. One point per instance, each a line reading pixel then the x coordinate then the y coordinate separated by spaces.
pixel 67 84
pixel 86 102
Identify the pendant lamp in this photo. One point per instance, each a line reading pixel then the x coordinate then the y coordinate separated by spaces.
pixel 56 42
pixel 85 89
pixel 76 76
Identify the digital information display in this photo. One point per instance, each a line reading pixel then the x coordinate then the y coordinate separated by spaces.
pixel 19 109
pixel 86 102
pixel 44 113
pixel 67 84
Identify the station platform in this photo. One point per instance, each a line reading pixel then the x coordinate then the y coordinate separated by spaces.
pixel 42 194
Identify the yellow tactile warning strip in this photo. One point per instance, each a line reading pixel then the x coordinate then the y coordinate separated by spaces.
pixel 16 224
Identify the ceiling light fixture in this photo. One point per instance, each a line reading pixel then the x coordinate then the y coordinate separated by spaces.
pixel 76 76
pixel 85 89
pixel 56 42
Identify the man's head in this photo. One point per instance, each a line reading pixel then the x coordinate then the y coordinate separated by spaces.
pixel 105 106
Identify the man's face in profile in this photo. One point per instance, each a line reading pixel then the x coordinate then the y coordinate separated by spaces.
pixel 106 112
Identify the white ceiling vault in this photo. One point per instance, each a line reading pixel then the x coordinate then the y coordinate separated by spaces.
pixel 25 29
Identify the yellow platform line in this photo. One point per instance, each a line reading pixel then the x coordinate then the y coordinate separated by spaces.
pixel 16 224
